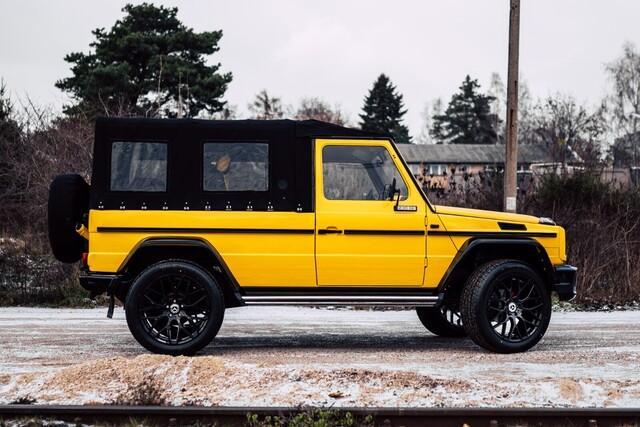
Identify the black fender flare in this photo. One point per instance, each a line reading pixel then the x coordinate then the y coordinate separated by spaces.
pixel 487 249
pixel 232 292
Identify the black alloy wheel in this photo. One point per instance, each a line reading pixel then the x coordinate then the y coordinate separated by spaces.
pixel 515 308
pixel 505 306
pixel 174 307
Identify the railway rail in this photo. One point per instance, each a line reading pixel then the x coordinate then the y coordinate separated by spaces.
pixel 473 417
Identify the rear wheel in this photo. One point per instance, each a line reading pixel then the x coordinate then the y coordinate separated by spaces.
pixel 174 307
pixel 505 306
pixel 443 321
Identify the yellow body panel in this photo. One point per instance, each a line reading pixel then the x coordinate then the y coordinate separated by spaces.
pixel 255 259
pixel 474 220
pixel 373 259
pixel 308 258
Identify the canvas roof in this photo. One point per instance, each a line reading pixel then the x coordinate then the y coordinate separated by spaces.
pixel 297 128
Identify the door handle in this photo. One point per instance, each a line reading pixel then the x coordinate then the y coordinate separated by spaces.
pixel 330 230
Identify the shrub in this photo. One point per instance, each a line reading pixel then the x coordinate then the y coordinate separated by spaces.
pixel 311 418
pixel 603 233
pixel 28 277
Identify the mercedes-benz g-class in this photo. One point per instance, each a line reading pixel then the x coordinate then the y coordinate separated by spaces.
pixel 186 218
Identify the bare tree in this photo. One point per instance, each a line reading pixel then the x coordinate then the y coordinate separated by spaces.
pixel 526 113
pixel 35 146
pixel 623 105
pixel 317 109
pixel 499 108
pixel 625 99
pixel 430 109
pixel 499 92
pixel 265 107
pixel 565 126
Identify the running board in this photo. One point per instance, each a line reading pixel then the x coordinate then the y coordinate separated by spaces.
pixel 359 300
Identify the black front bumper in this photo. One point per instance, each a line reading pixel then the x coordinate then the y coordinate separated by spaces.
pixel 99 283
pixel 564 285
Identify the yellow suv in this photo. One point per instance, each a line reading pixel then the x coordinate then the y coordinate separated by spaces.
pixel 186 218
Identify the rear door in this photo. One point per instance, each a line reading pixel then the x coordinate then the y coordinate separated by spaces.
pixel 361 240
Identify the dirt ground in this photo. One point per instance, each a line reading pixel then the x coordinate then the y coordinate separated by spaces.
pixel 275 356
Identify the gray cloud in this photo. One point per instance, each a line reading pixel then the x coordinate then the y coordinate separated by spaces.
pixel 334 49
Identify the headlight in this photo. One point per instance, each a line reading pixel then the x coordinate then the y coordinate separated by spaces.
pixel 546 221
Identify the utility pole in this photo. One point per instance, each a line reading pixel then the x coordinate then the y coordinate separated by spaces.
pixel 511 146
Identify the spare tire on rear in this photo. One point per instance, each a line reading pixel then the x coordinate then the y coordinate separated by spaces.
pixel 68 205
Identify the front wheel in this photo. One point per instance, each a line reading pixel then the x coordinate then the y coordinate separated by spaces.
pixel 505 306
pixel 174 307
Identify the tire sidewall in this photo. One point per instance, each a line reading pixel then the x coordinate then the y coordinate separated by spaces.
pixel 486 289
pixel 151 274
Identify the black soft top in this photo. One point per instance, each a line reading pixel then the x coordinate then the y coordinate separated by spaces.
pixel 290 161
pixel 243 128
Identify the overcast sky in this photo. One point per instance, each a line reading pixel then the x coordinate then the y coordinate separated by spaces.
pixel 334 49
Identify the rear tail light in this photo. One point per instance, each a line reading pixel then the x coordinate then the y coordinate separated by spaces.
pixel 85 258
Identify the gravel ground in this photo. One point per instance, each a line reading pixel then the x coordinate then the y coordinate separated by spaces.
pixel 286 356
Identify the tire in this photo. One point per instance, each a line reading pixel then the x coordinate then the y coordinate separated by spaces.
pixel 505 306
pixel 68 204
pixel 441 321
pixel 170 299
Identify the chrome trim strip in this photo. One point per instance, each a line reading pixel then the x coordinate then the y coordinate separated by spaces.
pixel 380 300
pixel 347 303
pixel 342 297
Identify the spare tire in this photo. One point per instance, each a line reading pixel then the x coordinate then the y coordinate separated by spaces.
pixel 68 204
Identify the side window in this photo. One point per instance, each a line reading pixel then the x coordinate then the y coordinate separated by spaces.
pixel 235 166
pixel 359 173
pixel 138 166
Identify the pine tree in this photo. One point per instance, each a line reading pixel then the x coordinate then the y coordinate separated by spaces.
pixel 467 119
pixel 383 110
pixel 149 63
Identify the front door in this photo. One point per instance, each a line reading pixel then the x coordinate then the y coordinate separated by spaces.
pixel 361 240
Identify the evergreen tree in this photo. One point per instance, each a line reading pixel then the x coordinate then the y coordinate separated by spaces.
pixel 383 110
pixel 467 119
pixel 149 63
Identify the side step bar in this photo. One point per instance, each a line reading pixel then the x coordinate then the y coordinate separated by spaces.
pixel 360 300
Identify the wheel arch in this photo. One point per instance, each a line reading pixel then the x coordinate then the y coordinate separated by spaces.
pixel 193 249
pixel 475 252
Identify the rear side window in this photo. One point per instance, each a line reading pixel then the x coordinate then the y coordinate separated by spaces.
pixel 139 166
pixel 235 166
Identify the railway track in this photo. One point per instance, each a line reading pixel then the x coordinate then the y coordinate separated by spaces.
pixel 473 417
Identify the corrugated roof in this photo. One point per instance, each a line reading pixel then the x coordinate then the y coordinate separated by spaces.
pixel 473 153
